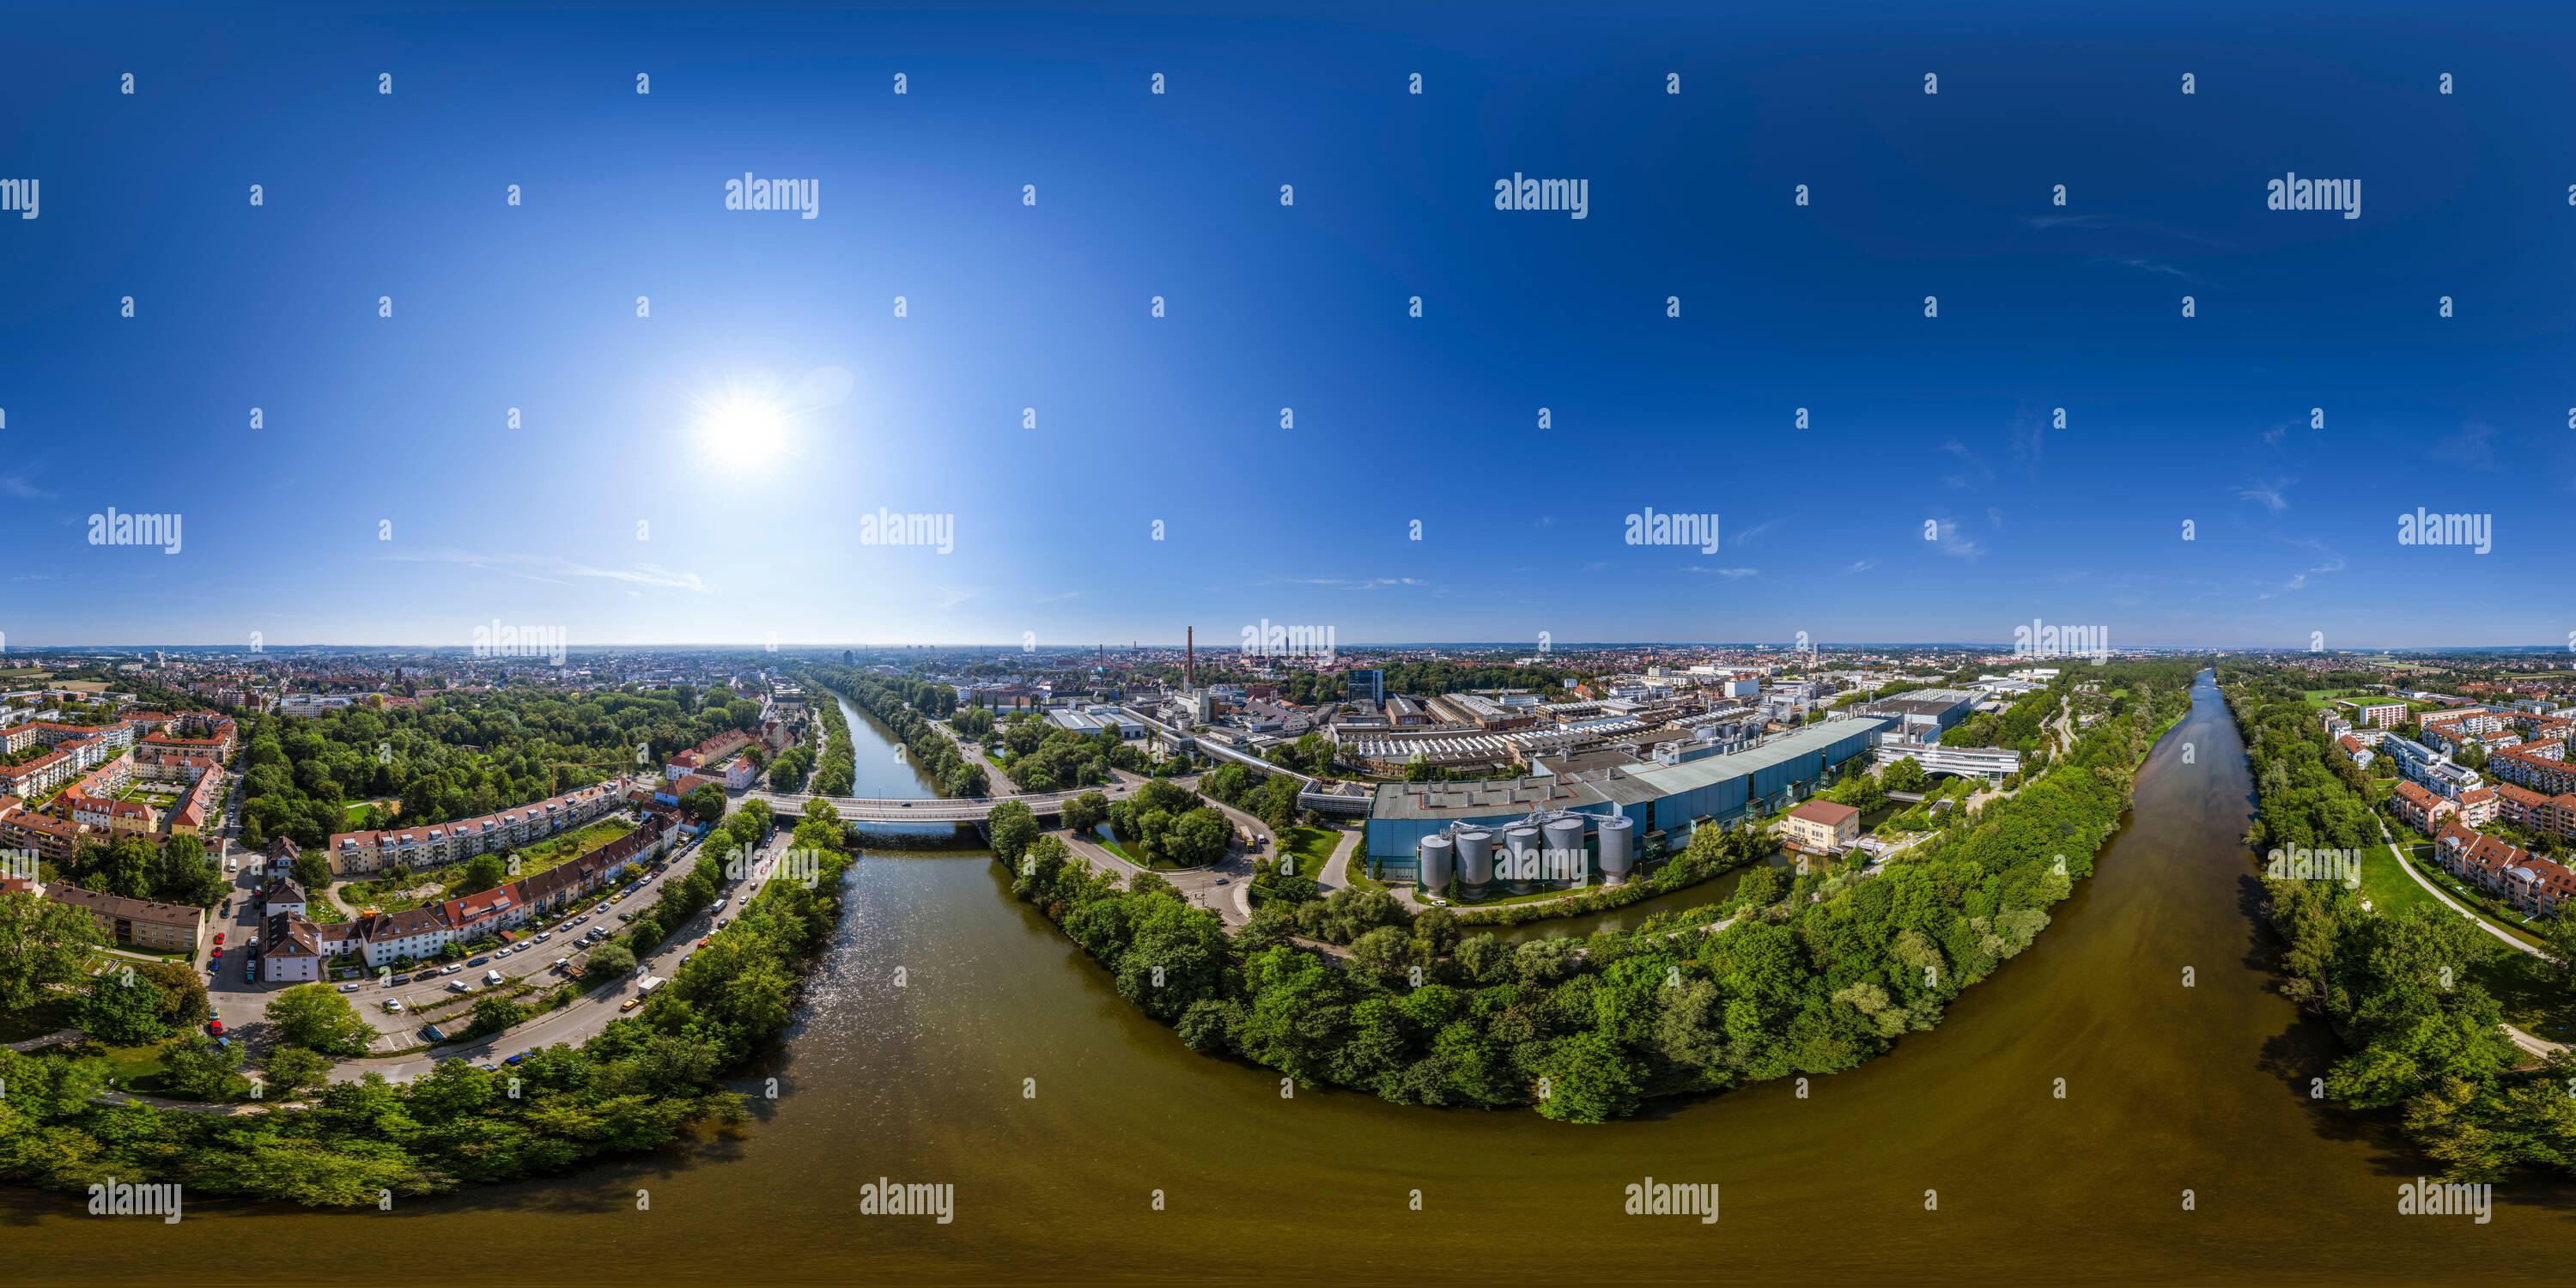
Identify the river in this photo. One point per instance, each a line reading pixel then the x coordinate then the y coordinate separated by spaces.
pixel 2167 1089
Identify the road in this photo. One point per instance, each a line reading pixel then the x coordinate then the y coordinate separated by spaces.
pixel 998 778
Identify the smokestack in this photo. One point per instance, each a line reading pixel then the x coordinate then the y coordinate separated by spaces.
pixel 1190 655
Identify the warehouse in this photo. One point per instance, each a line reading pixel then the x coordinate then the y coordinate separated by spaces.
pixel 1660 803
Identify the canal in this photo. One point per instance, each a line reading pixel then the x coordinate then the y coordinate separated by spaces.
pixel 1003 1062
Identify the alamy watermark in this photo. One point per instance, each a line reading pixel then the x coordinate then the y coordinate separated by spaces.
pixel 500 640
pixel 117 528
pixel 1573 196
pixel 113 1197
pixel 1673 1198
pixel 19 195
pixel 2432 1198
pixel 2042 640
pixel 804 197
pixel 2423 528
pixel 882 1197
pixel 930 531
pixel 1652 528
pixel 2291 192
pixel 2299 863
pixel 1267 638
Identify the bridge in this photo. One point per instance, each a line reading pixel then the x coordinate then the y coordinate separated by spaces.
pixel 1308 796
pixel 964 809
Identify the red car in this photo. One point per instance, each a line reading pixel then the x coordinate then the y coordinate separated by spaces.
pixel 219 936
pixel 215 1028
pixel 219 954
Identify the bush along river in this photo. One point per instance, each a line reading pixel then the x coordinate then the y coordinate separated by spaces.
pixel 2082 1116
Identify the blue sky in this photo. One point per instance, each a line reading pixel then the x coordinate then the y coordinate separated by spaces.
pixel 402 420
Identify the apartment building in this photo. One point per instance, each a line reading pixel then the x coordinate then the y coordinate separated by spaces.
pixel 2535 767
pixel 438 844
pixel 2525 880
pixel 2422 810
pixel 707 757
pixel 138 923
pixel 420 933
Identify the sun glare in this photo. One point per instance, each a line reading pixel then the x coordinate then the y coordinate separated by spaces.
pixel 744 429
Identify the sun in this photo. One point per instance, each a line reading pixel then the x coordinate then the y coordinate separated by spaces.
pixel 745 428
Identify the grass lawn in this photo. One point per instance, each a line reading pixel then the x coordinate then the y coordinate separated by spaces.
pixel 1312 847
pixel 139 1068
pixel 2388 888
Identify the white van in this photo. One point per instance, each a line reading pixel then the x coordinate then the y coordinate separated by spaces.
pixel 491 977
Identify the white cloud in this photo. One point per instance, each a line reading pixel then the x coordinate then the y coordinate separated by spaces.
pixel 2267 495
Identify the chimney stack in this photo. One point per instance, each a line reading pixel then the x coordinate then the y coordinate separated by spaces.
pixel 1190 658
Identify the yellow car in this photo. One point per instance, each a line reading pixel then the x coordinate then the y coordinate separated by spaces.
pixel 630 1004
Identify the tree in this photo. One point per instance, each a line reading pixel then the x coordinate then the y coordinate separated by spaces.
pixel 1906 775
pixel 123 1009
pixel 492 1014
pixel 42 943
pixel 313 870
pixel 482 872
pixel 609 962
pixel 312 1015
pixel 184 1003
pixel 197 1066
pixel 705 803
pixel 1014 827
pixel 292 1068
pixel 1086 812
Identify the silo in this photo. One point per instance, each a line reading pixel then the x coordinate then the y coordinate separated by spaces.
pixel 1520 841
pixel 1475 858
pixel 1617 855
pixel 1439 862
pixel 1565 849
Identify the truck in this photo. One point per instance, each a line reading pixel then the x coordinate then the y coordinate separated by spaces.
pixel 651 982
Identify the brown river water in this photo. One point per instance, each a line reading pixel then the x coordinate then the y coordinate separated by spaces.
pixel 2167 1089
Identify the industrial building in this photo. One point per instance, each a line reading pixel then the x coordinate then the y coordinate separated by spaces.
pixel 1434 830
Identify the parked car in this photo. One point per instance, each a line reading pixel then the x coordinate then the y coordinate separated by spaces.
pixel 214 1028
pixel 254 941
pixel 219 936
pixel 250 969
pixel 563 964
pixel 349 988
pixel 480 960
pixel 393 1006
pixel 516 1058
pixel 630 1004
pixel 545 936
pixel 452 968
pixel 459 986
pixel 398 979
pixel 492 977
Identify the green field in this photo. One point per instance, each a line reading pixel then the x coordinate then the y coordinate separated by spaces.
pixel 1312 847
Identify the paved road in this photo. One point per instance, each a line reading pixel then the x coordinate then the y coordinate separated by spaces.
pixel 1000 780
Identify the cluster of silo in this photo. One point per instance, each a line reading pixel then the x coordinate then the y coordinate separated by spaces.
pixel 1618 852
pixel 1439 863
pixel 1520 846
